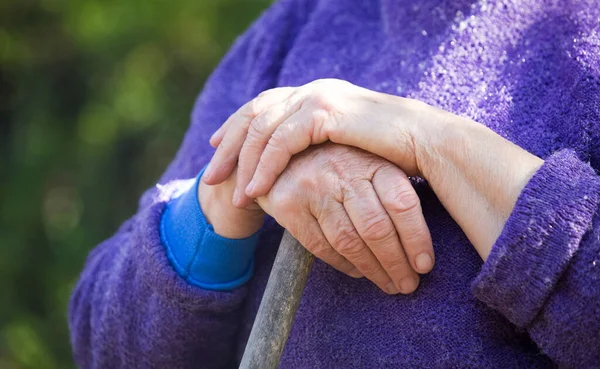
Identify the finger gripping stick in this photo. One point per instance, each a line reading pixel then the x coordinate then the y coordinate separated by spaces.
pixel 278 306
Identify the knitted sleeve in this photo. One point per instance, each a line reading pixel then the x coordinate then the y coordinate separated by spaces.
pixel 130 309
pixel 543 273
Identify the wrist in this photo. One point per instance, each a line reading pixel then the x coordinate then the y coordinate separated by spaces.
pixel 477 174
pixel 461 149
pixel 227 220
pixel 437 136
pixel 422 132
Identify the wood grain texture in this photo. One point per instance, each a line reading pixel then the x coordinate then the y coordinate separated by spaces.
pixel 278 306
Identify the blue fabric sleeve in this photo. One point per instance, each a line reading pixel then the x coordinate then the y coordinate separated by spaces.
pixel 199 255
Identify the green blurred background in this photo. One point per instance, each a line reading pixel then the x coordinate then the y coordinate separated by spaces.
pixel 94 100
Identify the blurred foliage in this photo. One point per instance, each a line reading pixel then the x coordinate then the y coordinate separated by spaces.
pixel 94 100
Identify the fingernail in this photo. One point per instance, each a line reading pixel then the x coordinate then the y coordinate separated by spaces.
pixel 391 289
pixel 250 188
pixel 424 262
pixel 236 197
pixel 408 285
pixel 207 172
pixel 355 273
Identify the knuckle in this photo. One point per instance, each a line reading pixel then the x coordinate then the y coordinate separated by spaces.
pixel 319 117
pixel 339 164
pixel 321 100
pixel 418 236
pixel 300 176
pixel 347 242
pixel 305 183
pixel 317 247
pixel 286 201
pixel 256 132
pixel 371 269
pixel 377 227
pixel 253 107
pixel 296 98
pixel 277 142
pixel 398 266
pixel 401 200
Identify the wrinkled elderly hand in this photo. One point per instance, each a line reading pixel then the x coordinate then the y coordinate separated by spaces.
pixel 355 211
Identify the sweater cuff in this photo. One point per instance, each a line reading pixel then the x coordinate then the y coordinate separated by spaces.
pixel 540 237
pixel 199 255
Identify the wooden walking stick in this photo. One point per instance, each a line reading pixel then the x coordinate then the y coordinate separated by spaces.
pixel 278 306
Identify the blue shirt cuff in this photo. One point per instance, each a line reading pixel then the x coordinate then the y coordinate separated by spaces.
pixel 197 253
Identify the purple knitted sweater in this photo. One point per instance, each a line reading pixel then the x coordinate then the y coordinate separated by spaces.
pixel 528 69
